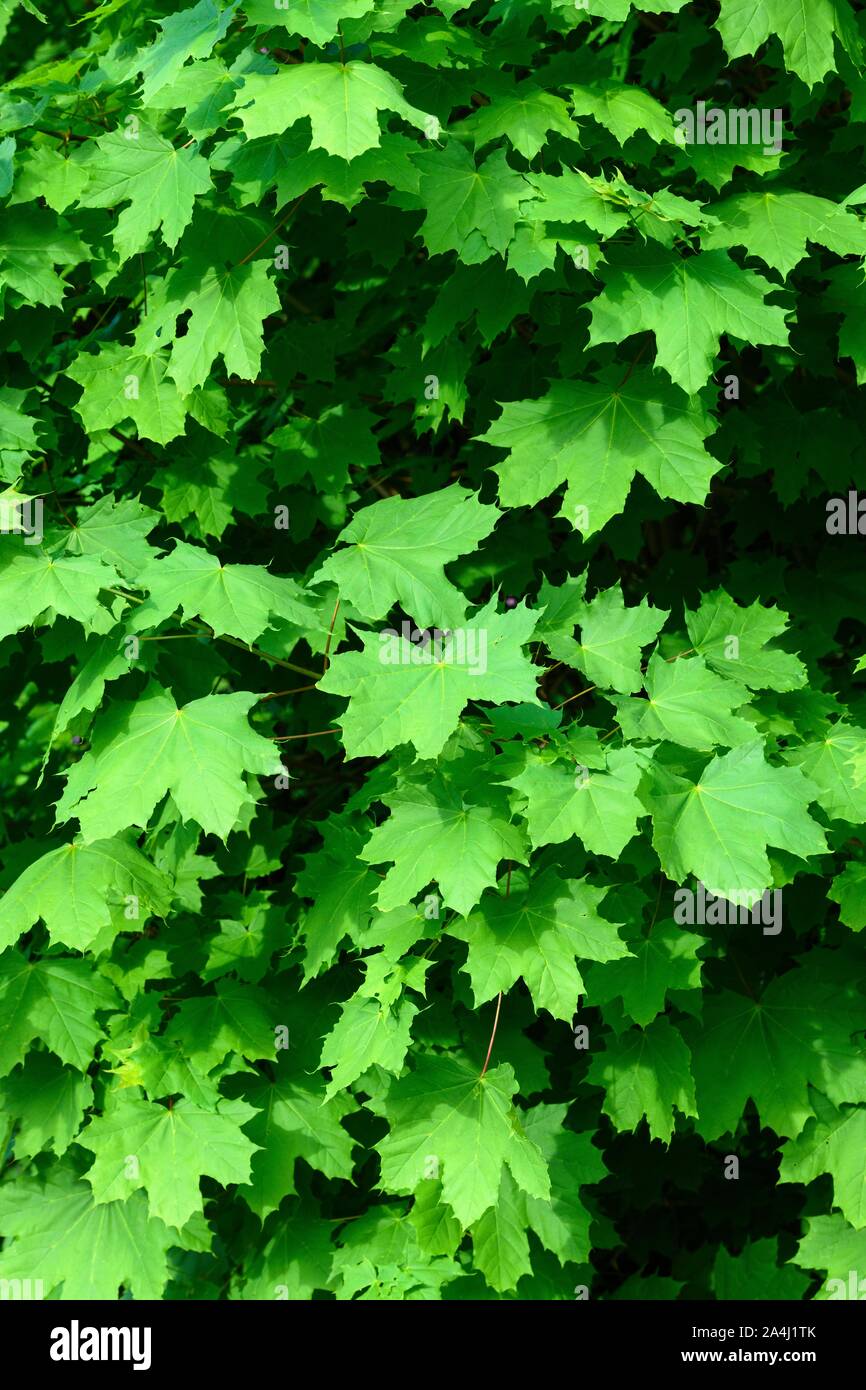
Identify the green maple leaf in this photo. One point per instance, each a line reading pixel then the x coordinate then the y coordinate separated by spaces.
pixel 833 1142
pixel 172 1148
pixel 342 890
pixel 341 100
pixel 46 173
pixel 34 583
pixel 190 34
pixel 574 196
pixel 771 1049
pixel 562 1223
pixel 735 640
pixel 116 531
pixel 239 600
pixel 611 639
pixel 159 182
pixel 522 112
pixel 595 436
pixel 536 933
pixel 17 429
pixel 295 1261
pixel 687 704
pixel 32 241
pixel 142 750
pixel 57 1233
pixel 80 889
pixel 417 698
pixel 470 210
pixel 123 383
pixel 806 35
pixel 47 1100
pixel 665 959
pixel 688 304
pixel 339 439
pixel 500 1242
pixel 718 827
pixel 367 1034
pixel 318 20
pixel 444 1110
pixel 443 833
pixel 236 1017
pixel 827 764
pixel 756 1274
pixel 103 659
pixel 623 109
pixel 834 1247
pixel 646 1075
pixel 55 1000
pixel 777 225
pixel 599 806
pixel 293 1120
pixel 436 1227
pixel 228 305
pixel 397 550
pixel 849 891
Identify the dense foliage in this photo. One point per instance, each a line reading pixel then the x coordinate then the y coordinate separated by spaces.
pixel 425 614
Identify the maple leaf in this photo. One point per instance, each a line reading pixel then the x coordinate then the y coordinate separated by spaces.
pixel 849 891
pixel 35 583
pixel 160 184
pixel 123 383
pixel 776 225
pixel 834 1142
pixel 398 549
pixel 174 1148
pixel 80 1250
pixel 622 109
pixel 665 959
pixel 32 241
pixel 80 889
pixel 55 1000
pixel 735 641
pixel 341 100
pixel 535 934
pixel 719 826
pixel 443 832
pixel 611 638
pixel 140 751
pixel 443 1108
pixel 417 697
pixel 236 1017
pixel 190 34
pixel 318 20
pixel 292 1120
pixel 116 531
pixel 806 36
pixel 227 306
pixel 595 436
pixel 770 1049
pixel 524 113
pixel 688 304
pixel 756 1274
pixel 471 210
pixel 240 600
pixel 687 704
pixel 831 1245
pixel 48 1101
pixel 646 1074
pixel 598 805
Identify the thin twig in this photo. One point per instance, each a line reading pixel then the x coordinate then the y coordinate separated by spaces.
pixel 493 1034
pixel 291 212
pixel 287 738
